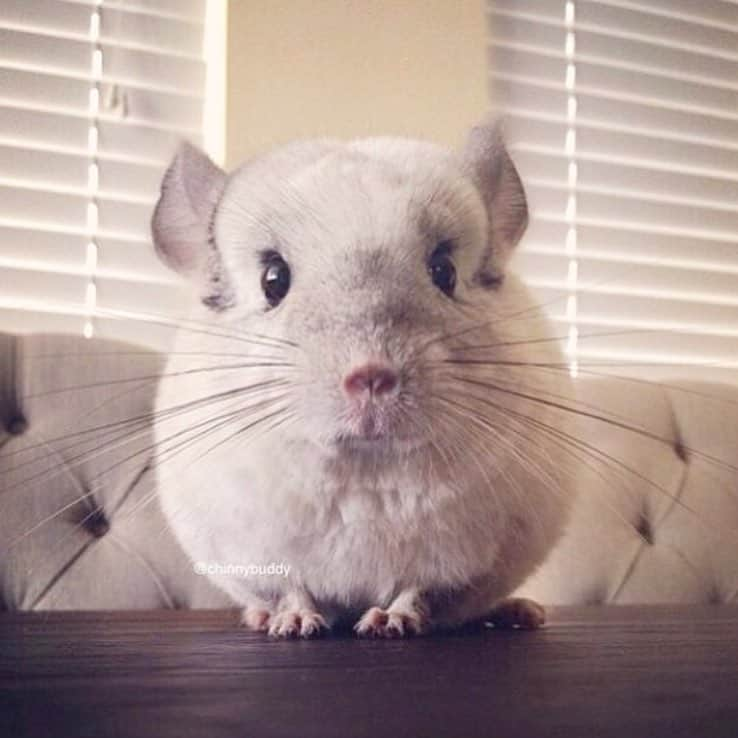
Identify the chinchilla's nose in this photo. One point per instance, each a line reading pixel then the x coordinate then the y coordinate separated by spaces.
pixel 371 380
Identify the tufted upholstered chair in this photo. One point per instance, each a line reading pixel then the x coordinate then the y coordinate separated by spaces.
pixel 80 527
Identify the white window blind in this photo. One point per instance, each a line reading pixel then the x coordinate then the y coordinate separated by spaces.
pixel 623 119
pixel 94 97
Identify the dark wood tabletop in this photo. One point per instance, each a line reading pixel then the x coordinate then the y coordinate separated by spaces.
pixel 617 671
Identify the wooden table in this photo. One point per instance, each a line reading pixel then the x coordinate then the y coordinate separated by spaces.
pixel 620 671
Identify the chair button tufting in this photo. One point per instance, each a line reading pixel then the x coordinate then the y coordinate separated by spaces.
pixel 645 530
pixel 680 450
pixel 97 524
pixel 17 426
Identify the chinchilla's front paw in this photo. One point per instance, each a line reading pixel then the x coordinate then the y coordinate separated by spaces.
pixel 517 612
pixel 297 624
pixel 285 623
pixel 293 616
pixel 392 623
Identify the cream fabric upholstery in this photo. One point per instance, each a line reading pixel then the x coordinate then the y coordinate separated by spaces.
pixel 664 529
pixel 81 528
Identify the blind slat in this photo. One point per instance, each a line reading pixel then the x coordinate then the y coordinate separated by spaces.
pixel 47 15
pixel 67 252
pixel 598 109
pixel 43 169
pixel 633 207
pixel 671 90
pixel 717 12
pixel 113 294
pixel 697 285
pixel 660 28
pixel 167 301
pixel 676 344
pixel 149 31
pixel 636 178
pixel 621 147
pixel 623 121
pixel 70 212
pixel 619 21
pixel 28 320
pixel 119 26
pixel 68 95
pixel 187 10
pixel 69 133
pixel 94 98
pixel 597 46
pixel 71 57
pixel 597 303
pixel 42 317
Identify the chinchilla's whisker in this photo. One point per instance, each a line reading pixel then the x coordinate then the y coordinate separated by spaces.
pixel 150 496
pixel 478 424
pixel 534 312
pixel 579 443
pixel 455 444
pixel 161 376
pixel 518 383
pixel 555 339
pixel 515 453
pixel 417 425
pixel 614 463
pixel 445 446
pixel 140 424
pixel 564 444
pixel 88 456
pixel 218 423
pixel 279 414
pixel 142 353
pixel 532 443
pixel 201 327
pixel 167 452
pixel 586 460
pixel 564 367
pixel 144 420
pixel 535 463
pixel 594 416
pixel 52 550
pixel 566 364
pixel 280 411
pixel 538 311
pixel 647 382
pixel 542 308
pixel 117 397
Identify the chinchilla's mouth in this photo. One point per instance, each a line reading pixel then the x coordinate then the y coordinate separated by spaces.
pixel 384 443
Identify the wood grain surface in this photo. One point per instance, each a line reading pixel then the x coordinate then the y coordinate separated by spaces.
pixel 617 671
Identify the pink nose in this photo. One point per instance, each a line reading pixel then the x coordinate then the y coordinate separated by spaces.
pixel 371 379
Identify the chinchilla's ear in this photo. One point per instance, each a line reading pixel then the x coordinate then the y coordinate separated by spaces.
pixel 182 220
pixel 182 224
pixel 491 168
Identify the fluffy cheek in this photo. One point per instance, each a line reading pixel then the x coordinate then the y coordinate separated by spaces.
pixel 322 411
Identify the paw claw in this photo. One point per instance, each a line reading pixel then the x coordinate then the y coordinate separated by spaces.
pixel 297 624
pixel 312 624
pixel 518 612
pixel 379 623
pixel 256 619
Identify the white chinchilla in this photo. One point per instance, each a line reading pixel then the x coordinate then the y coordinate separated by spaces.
pixel 359 395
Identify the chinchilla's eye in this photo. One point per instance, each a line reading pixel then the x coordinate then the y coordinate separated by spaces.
pixel 442 270
pixel 275 279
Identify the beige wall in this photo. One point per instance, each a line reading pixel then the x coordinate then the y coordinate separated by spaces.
pixel 301 68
